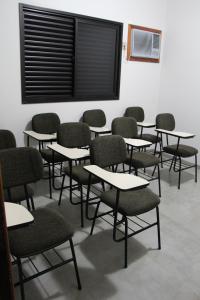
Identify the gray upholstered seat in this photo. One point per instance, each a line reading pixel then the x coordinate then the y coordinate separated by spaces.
pixel 143 160
pixel 46 123
pixel 127 128
pixel 111 150
pixel 75 135
pixel 132 203
pixel 150 138
pixel 137 113
pixel 94 117
pixel 22 166
pixel 48 231
pixel 80 175
pixel 7 139
pixel 166 121
pixel 48 156
pixel 183 150
pixel 18 194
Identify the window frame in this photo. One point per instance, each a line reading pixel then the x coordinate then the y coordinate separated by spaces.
pixel 62 98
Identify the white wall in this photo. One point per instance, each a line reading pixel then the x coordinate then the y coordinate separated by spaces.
pixel 180 76
pixel 139 81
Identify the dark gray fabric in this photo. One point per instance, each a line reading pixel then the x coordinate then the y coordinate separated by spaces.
pixel 151 138
pixel 20 166
pixel 48 230
pixel 74 134
pixel 45 123
pixel 143 160
pixel 18 194
pixel 94 117
pixel 126 127
pixel 108 150
pixel 165 121
pixel 48 156
pixel 80 175
pixel 7 139
pixel 183 150
pixel 135 112
pixel 132 203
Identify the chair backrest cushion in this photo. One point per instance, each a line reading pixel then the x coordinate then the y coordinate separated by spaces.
pixel 94 117
pixel 108 150
pixel 45 123
pixel 20 166
pixel 7 139
pixel 74 134
pixel 126 127
pixel 136 112
pixel 165 121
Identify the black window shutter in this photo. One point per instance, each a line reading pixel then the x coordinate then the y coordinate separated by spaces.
pixel 48 55
pixel 68 57
pixel 96 60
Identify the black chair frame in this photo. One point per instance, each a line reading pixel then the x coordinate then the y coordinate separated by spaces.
pixel 124 220
pixel 23 279
pixel 182 165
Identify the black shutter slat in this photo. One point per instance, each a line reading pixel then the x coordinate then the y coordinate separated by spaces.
pixel 47 16
pixel 46 33
pixel 48 48
pixel 50 29
pixel 46 53
pixel 48 40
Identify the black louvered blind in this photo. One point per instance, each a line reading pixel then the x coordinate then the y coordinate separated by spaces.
pixel 66 57
pixel 96 53
pixel 48 55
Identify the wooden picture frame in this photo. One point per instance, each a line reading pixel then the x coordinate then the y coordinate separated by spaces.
pixel 142 58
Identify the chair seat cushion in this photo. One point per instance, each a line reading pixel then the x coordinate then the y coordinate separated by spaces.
pixel 18 194
pixel 132 203
pixel 143 160
pixel 48 156
pixel 80 175
pixel 151 138
pixel 183 150
pixel 48 230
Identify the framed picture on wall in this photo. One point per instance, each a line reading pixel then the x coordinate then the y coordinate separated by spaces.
pixel 143 44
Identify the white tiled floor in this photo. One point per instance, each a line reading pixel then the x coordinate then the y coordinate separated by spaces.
pixel 171 273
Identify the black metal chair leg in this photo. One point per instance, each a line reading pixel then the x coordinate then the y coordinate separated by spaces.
pixel 179 174
pixel 158 227
pixel 61 190
pixel 82 213
pixel 50 186
pixel 195 168
pixel 19 264
pixel 32 203
pixel 126 244
pixel 171 163
pixel 94 220
pixel 159 185
pixel 75 264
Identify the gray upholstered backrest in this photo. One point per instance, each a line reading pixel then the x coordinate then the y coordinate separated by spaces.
pixel 45 123
pixel 20 166
pixel 108 150
pixel 74 134
pixel 94 117
pixel 124 126
pixel 7 139
pixel 165 121
pixel 136 112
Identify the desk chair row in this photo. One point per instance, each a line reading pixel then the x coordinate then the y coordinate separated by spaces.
pixel 127 197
